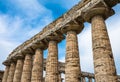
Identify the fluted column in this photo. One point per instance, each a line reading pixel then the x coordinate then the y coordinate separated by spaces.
pixel 5 76
pixel 90 79
pixel 37 70
pixel 11 72
pixel 104 66
pixel 83 79
pixel 72 61
pixel 27 69
pixel 52 62
pixel 18 71
pixel 60 78
pixel 103 57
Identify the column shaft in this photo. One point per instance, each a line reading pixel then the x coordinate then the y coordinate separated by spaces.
pixel 27 67
pixel 5 76
pixel 18 71
pixel 11 73
pixel 60 78
pixel 83 79
pixel 104 66
pixel 52 63
pixel 90 80
pixel 72 62
pixel 37 70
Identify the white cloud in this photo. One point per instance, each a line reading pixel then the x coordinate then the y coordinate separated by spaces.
pixel 30 8
pixel 14 30
pixel 114 34
pixel 85 48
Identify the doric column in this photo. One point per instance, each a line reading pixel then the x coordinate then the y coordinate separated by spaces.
pixel 52 62
pixel 104 66
pixel 72 61
pixel 37 70
pixel 18 70
pixel 83 79
pixel 5 76
pixel 89 79
pixel 27 69
pixel 11 72
pixel 59 77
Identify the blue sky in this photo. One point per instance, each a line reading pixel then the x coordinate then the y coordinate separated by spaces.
pixel 21 19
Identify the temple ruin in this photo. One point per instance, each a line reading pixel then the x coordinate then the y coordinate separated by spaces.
pixel 26 62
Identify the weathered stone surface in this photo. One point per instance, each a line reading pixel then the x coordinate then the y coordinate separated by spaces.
pixel 104 11
pixel 1 75
pixel 27 69
pixel 83 79
pixel 18 71
pixel 89 79
pixel 72 64
pixel 104 65
pixel 11 72
pixel 73 26
pixel 60 78
pixel 52 63
pixel 37 70
pixel 5 76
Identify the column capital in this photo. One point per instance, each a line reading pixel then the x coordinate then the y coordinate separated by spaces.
pixel 52 62
pixel 55 38
pixel 105 12
pixel 73 26
pixel 38 49
pixel 6 63
pixel 39 44
pixel 37 70
pixel 19 56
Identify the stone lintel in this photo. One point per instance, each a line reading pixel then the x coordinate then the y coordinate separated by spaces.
pixel 103 11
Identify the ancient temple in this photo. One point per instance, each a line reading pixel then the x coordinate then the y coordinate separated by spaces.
pixel 26 62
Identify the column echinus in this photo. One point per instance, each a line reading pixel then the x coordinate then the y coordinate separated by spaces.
pixel 37 70
pixel 72 61
pixel 104 65
pixel 19 68
pixel 27 69
pixel 5 75
pixel 52 59
pixel 11 71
